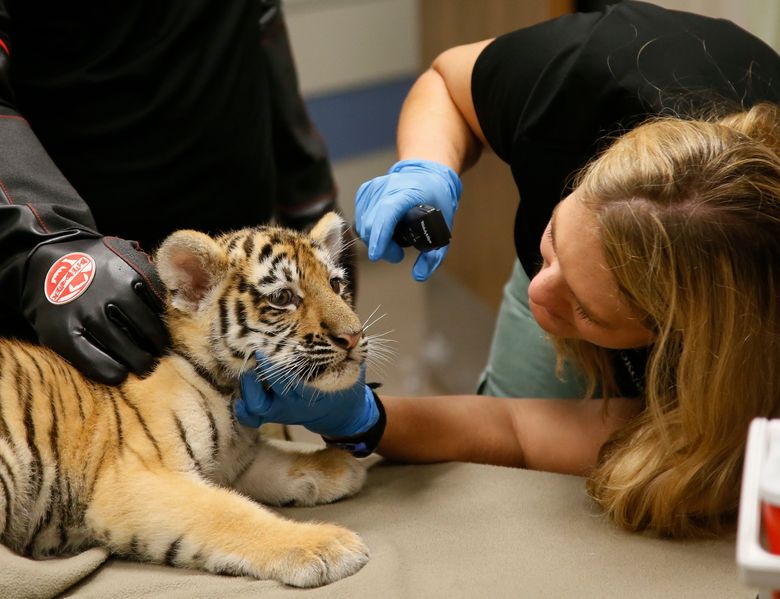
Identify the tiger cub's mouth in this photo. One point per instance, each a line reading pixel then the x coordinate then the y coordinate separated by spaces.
pixel 343 375
pixel 332 376
pixel 337 376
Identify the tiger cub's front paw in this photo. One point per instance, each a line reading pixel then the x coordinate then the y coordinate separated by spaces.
pixel 325 476
pixel 318 554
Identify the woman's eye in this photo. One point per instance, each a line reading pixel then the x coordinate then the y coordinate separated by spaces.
pixel 582 314
pixel 283 297
pixel 336 284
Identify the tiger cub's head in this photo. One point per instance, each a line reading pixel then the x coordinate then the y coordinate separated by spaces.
pixel 270 289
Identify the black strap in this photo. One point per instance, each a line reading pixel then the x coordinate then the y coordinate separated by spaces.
pixel 364 444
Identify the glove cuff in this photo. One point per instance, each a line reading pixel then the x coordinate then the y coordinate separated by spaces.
pixel 359 417
pixel 364 444
pixel 449 176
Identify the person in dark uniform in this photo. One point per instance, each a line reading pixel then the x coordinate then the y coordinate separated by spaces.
pixel 125 121
pixel 653 275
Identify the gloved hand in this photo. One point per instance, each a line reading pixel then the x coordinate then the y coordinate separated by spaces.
pixel 266 397
pixel 98 303
pixel 381 203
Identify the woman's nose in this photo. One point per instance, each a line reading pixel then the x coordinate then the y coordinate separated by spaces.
pixel 546 286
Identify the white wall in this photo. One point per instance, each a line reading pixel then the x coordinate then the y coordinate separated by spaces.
pixel 760 17
pixel 340 44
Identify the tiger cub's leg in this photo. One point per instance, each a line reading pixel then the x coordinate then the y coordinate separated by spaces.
pixel 180 520
pixel 279 477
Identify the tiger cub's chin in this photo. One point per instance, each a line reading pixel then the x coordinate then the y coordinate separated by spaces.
pixel 339 377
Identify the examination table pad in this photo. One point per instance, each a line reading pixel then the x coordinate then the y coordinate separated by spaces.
pixel 446 530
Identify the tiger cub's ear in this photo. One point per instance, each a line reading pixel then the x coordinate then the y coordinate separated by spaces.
pixel 190 264
pixel 328 233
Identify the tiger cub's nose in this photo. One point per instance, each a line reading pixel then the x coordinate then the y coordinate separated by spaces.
pixel 347 340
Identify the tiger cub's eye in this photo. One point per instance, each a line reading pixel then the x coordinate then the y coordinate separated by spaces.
pixel 336 284
pixel 283 297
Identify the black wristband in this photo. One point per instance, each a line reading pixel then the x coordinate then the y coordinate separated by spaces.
pixel 364 444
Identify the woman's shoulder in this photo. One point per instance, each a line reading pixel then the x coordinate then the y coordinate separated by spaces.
pixel 585 75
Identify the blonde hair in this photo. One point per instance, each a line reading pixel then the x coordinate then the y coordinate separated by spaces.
pixel 689 218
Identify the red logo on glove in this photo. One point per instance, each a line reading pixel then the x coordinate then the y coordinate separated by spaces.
pixel 69 277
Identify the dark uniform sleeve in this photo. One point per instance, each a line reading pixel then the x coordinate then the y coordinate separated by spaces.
pixel 37 204
pixel 305 187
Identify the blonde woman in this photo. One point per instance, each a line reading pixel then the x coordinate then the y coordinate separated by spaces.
pixel 651 288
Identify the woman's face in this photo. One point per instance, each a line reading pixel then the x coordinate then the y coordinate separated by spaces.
pixel 574 295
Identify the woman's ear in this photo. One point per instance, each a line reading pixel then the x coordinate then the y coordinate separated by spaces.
pixel 190 265
pixel 328 233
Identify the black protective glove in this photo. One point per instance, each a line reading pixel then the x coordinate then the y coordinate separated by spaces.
pixel 101 312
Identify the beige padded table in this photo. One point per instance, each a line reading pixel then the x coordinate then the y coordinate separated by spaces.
pixel 445 530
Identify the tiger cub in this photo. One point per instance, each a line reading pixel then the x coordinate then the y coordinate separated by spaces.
pixel 158 469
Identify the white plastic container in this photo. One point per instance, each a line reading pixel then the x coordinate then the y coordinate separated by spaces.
pixel 758 533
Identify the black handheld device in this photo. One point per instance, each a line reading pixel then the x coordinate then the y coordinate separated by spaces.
pixel 424 228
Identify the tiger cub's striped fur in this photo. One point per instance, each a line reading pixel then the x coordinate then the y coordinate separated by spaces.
pixel 157 468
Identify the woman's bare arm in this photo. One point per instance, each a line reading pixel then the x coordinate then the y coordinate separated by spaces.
pixel 555 435
pixel 438 121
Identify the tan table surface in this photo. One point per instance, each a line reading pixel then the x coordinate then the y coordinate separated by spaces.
pixel 446 530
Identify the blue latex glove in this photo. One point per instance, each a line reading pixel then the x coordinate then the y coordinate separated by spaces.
pixel 344 413
pixel 381 203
